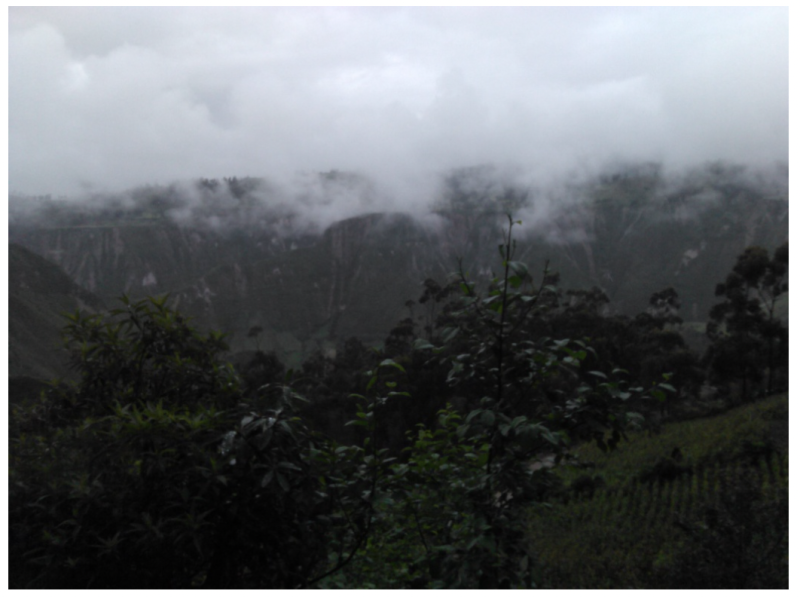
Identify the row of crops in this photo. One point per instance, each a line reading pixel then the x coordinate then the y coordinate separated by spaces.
pixel 660 524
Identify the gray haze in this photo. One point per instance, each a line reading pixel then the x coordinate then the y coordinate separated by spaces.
pixel 103 99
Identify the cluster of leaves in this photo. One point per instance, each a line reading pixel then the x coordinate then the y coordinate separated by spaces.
pixel 150 472
pixel 548 324
pixel 606 348
pixel 453 514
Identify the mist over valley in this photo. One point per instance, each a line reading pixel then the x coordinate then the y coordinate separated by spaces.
pixel 238 252
pixel 398 297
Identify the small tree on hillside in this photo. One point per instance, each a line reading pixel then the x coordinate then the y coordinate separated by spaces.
pixel 663 348
pixel 474 537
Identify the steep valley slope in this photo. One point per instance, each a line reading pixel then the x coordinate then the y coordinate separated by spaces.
pixel 38 293
pixel 308 292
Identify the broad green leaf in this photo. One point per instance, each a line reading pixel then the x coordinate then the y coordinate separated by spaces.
pixel 422 344
pixel 392 363
pixel 519 268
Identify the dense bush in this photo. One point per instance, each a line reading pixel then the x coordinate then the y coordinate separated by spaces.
pixel 151 473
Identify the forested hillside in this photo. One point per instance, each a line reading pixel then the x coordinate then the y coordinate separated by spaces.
pixel 237 255
pixel 422 463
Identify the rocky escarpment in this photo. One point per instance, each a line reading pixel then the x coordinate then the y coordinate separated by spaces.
pixel 39 292
pixel 631 250
pixel 142 259
pixel 353 282
pixel 354 279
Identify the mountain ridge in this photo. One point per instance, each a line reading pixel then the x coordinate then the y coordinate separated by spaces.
pixel 628 236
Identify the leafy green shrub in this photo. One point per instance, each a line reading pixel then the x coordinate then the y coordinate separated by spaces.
pixel 150 472
pixel 587 485
pixel 665 469
pixel 453 513
pixel 475 537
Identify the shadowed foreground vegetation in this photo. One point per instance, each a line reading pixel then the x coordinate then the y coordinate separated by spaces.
pixel 163 466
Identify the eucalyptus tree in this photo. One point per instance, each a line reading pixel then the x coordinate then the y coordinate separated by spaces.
pixel 746 332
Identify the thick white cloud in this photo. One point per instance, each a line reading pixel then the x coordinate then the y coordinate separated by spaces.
pixel 111 98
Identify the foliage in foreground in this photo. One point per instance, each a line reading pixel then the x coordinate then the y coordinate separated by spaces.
pixel 149 472
pixel 461 496
pixel 157 470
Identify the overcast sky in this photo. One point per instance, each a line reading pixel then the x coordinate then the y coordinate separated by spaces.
pixel 110 98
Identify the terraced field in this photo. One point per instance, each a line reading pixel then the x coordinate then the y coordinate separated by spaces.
pixel 669 509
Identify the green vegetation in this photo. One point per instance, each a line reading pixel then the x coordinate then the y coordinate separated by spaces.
pixel 149 472
pixel 446 459
pixel 217 245
pixel 747 334
pixel 633 518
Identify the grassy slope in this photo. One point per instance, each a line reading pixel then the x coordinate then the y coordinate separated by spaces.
pixel 619 537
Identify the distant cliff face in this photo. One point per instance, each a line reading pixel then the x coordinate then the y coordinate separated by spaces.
pixel 353 282
pixel 38 293
pixel 110 260
pixel 143 259
pixel 354 279
pixel 633 250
